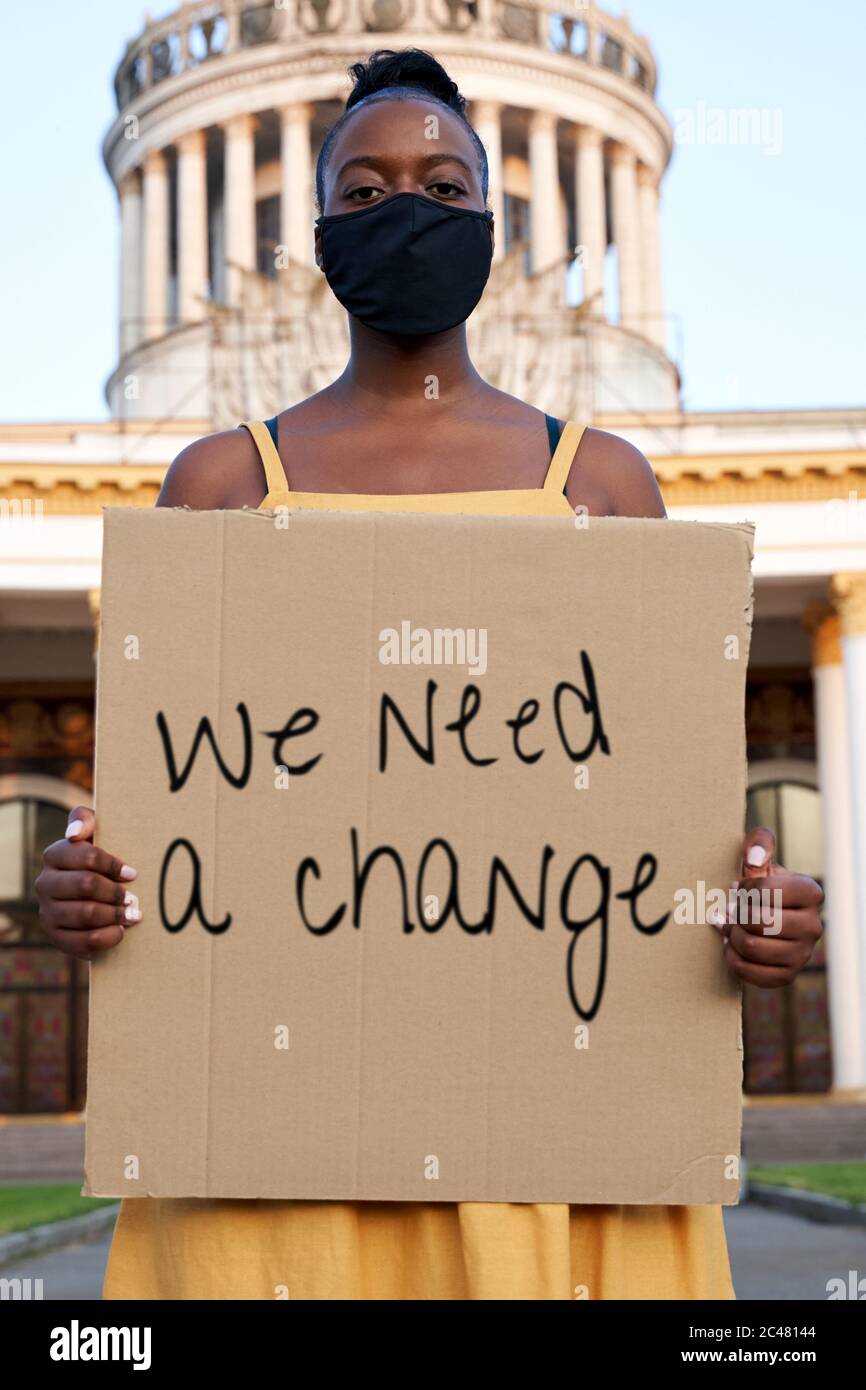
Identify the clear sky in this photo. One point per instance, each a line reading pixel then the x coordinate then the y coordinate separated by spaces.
pixel 764 241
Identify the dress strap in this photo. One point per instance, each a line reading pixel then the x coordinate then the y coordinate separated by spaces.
pixel 275 473
pixel 563 458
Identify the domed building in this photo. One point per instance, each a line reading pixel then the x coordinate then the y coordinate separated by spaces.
pixel 221 109
pixel 221 112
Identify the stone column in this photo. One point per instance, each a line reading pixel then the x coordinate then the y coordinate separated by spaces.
pixel 130 262
pixel 842 943
pixel 650 233
pixel 155 298
pixel 233 28
pixel 591 213
pixel 545 222
pixel 626 235
pixel 297 200
pixel 485 22
pixel 849 591
pixel 487 120
pixel 192 227
pixel 288 26
pixel 239 203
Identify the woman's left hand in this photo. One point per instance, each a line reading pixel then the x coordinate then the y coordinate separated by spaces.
pixel 770 947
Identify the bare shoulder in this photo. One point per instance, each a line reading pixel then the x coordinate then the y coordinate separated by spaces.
pixel 220 471
pixel 613 478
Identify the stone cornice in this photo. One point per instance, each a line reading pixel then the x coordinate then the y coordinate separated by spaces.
pixel 70 430
pixel 852 416
pixel 71 489
pixel 79 489
pixel 788 464
pixel 731 489
pixel 297 22
pixel 313 70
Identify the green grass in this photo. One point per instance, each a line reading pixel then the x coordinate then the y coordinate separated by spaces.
pixel 845 1180
pixel 35 1204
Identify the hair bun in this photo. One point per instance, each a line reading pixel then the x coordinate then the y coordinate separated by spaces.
pixel 387 75
pixel 410 67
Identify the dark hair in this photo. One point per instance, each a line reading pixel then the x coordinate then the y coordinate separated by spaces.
pixel 387 75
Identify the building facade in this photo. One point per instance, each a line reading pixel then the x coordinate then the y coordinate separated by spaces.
pixel 221 108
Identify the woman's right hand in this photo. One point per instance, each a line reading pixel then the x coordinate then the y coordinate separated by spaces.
pixel 84 898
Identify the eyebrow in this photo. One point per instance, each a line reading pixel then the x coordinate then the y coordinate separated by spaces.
pixel 372 161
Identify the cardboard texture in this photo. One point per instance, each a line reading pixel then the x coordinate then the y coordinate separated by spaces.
pixel 527 1042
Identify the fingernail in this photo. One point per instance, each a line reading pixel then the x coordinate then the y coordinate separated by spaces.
pixel 127 873
pixel 132 914
pixel 130 900
pixel 756 855
pixel 74 828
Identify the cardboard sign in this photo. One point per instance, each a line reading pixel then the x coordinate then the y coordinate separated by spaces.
pixel 428 814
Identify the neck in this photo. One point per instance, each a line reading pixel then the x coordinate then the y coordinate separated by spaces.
pixel 385 373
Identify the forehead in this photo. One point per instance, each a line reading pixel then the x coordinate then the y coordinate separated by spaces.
pixel 402 128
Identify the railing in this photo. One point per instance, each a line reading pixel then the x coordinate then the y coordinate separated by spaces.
pixel 203 30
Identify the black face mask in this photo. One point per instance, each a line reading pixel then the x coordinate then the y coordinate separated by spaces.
pixel 408 265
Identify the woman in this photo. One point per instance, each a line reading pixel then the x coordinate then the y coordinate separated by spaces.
pixel 406 245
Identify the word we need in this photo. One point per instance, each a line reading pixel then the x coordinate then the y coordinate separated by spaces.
pixel 328 896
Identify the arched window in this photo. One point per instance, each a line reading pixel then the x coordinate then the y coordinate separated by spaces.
pixel 786 1032
pixel 43 993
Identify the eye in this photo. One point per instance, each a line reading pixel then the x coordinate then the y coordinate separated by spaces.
pixel 446 188
pixel 366 194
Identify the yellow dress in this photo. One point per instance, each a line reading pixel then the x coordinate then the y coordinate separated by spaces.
pixel 171 1248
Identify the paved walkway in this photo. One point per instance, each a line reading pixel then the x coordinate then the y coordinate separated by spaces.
pixel 829 1133
pixel 41 1152
pixel 75 1272
pixel 773 1256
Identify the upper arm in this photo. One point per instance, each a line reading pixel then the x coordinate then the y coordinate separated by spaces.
pixel 221 470
pixel 616 477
